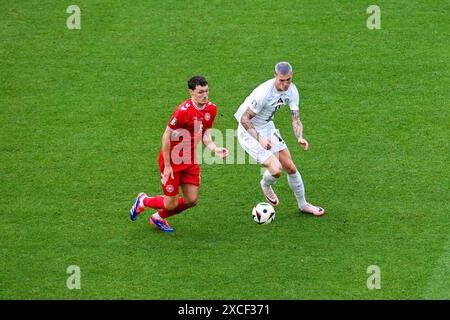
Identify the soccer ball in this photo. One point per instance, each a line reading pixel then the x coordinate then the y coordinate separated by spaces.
pixel 263 213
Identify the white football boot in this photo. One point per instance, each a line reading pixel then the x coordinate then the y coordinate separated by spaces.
pixel 269 194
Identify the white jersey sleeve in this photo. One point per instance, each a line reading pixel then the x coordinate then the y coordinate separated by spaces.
pixel 255 101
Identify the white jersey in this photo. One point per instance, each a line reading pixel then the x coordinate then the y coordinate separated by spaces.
pixel 265 100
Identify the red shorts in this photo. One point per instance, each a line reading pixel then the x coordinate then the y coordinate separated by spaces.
pixel 188 174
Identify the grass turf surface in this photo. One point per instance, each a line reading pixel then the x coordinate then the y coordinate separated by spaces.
pixel 82 113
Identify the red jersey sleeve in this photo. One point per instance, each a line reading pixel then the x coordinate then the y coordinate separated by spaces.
pixel 178 119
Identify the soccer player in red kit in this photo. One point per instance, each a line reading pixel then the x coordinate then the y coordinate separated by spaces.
pixel 190 124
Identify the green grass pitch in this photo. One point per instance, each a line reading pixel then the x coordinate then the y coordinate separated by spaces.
pixel 82 113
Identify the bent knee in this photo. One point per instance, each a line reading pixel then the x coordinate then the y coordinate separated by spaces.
pixel 276 170
pixel 170 204
pixel 291 168
pixel 191 202
pixel 274 167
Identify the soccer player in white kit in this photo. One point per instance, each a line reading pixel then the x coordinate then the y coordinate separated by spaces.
pixel 262 141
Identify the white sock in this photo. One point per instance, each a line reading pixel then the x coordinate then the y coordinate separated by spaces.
pixel 157 216
pixel 268 179
pixel 296 183
pixel 141 202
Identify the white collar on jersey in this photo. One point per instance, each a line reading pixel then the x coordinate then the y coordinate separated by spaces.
pixel 195 106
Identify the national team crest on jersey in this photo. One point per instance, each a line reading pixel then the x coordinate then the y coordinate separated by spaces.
pixel 207 116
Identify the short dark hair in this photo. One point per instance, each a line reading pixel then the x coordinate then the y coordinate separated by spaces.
pixel 283 68
pixel 197 81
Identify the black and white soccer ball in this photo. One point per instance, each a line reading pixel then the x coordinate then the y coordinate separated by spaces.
pixel 263 213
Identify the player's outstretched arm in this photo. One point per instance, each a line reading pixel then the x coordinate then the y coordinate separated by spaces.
pixel 298 129
pixel 218 151
pixel 248 125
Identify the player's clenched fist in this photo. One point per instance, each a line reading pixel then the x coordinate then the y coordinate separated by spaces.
pixel 265 143
pixel 303 143
pixel 221 152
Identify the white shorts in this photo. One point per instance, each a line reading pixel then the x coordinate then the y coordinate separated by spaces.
pixel 254 148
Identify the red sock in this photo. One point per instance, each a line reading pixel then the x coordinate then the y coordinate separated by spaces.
pixel 163 213
pixel 154 202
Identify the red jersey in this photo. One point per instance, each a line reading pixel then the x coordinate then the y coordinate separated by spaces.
pixel 188 123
